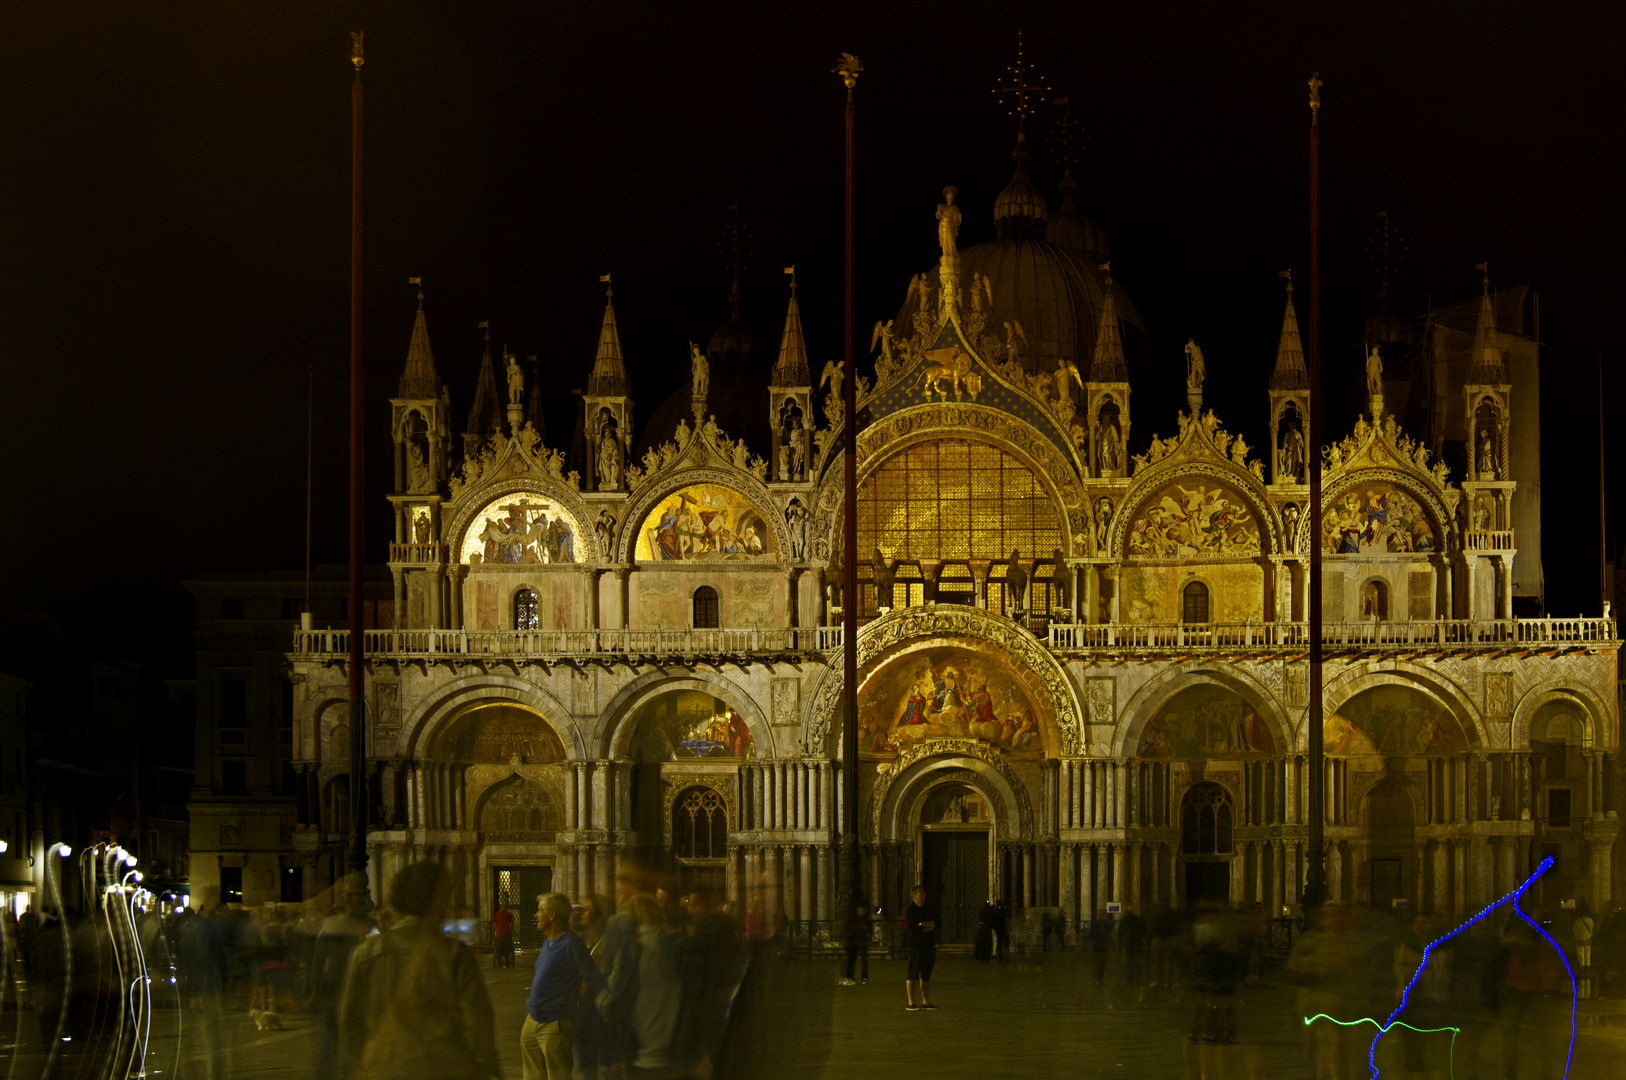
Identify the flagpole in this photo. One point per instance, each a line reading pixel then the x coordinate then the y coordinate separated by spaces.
pixel 1315 873
pixel 357 859
pixel 851 863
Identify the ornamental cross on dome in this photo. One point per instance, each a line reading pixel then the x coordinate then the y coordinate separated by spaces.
pixel 1017 90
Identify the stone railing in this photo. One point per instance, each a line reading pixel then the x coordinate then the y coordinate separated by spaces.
pixel 482 643
pixel 1489 540
pixel 1366 634
pixel 415 553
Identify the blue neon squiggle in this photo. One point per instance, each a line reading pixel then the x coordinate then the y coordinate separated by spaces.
pixel 1514 896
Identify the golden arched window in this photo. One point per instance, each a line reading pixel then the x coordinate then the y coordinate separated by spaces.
pixel 956 499
pixel 699 824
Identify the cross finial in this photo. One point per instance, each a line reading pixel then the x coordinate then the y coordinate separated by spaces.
pixel 1019 88
pixel 1066 136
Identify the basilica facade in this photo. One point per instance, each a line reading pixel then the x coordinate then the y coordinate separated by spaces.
pixel 1082 647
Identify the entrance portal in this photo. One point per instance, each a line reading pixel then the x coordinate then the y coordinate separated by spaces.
pixel 518 887
pixel 1208 881
pixel 956 879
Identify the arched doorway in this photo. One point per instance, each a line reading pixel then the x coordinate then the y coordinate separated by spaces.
pixel 1207 842
pixel 956 857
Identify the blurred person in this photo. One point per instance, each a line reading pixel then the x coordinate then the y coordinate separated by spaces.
pixel 563 963
pixel 1535 987
pixel 1002 931
pixel 1609 954
pixel 594 1050
pixel 659 997
pixel 983 949
pixel 502 933
pixel 1100 942
pixel 1162 929
pixel 921 939
pixel 1132 935
pixel 336 938
pixel 414 1002
pixel 1428 1005
pixel 1582 929
pixel 856 934
pixel 1219 964
pixel 708 971
pixel 1317 966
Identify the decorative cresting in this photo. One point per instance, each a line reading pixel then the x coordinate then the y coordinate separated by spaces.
pixel 1379 455
pixel 674 783
pixel 512 467
pixel 949 750
pixel 650 495
pixel 878 442
pixel 947 621
pixel 1203 451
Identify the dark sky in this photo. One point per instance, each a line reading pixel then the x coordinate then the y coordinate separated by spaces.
pixel 174 222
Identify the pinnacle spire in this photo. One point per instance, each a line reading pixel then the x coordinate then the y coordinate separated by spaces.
pixel 1107 361
pixel 1485 365
pixel 485 415
pixel 791 368
pixel 419 380
pixel 1290 372
pixel 609 378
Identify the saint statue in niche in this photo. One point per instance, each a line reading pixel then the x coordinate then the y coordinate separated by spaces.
pixel 417 468
pixel 1487 456
pixel 1109 449
pixel 1291 466
pixel 609 460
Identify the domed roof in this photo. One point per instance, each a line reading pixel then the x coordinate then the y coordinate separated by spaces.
pixel 1384 327
pixel 1020 210
pixel 739 401
pixel 1072 231
pixel 733 337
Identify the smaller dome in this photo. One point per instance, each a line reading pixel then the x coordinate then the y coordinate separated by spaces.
pixel 1020 210
pixel 1072 231
pixel 733 338
pixel 1385 327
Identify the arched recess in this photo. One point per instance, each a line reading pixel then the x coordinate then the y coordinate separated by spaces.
pixel 1149 700
pixel 625 709
pixel 520 807
pixel 532 489
pixel 917 424
pixel 449 701
pixel 649 496
pixel 1443 692
pixel 1348 501
pixel 894 811
pixel 921 629
pixel 1594 715
pixel 1205 489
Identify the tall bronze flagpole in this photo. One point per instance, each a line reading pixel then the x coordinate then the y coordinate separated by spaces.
pixel 357 861
pixel 1315 873
pixel 851 864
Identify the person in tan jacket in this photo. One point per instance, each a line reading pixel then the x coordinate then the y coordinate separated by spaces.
pixel 415 1005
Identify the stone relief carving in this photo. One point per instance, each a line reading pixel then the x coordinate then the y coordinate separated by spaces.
pixel 1298 684
pixel 1025 823
pixel 787 700
pixel 1498 696
pixel 1100 693
pixel 907 624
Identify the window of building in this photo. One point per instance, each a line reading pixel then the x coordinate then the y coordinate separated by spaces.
pixel 231 884
pixel 291 886
pixel 234 778
pixel 233 701
pixel 525 617
pixel 1558 808
pixel 1194 603
pixel 699 825
pixel 1375 600
pixel 956 499
pixel 1206 820
pixel 705 608
pixel 232 608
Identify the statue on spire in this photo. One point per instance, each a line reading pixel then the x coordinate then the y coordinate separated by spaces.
pixel 1374 379
pixel 948 222
pixel 699 371
pixel 1196 372
pixel 516 379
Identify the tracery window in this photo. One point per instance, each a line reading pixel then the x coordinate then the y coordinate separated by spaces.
pixel 705 608
pixel 956 499
pixel 525 616
pixel 699 824
pixel 1194 603
pixel 1206 820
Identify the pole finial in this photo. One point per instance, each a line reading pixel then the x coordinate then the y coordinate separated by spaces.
pixel 1484 268
pixel 1315 95
pixel 1288 274
pixel 791 271
pixel 609 288
pixel 355 50
pixel 418 281
pixel 848 69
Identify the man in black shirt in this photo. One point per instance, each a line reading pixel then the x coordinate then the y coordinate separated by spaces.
pixel 921 937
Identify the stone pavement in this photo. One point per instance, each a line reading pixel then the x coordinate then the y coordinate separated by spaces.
pixel 1039 1016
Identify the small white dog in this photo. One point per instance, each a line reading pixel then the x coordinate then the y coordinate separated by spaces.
pixel 265 1020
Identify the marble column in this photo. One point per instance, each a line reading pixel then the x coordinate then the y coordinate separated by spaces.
pixel 805 907
pixel 1086 881
pixel 1118 871
pixel 1027 876
pixel 1090 817
pixel 1069 885
pixel 1335 873
pixel 1133 900
pixel 827 884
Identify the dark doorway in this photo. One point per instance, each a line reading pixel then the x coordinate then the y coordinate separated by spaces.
pixel 1385 882
pixel 518 887
pixel 1208 881
pixel 956 880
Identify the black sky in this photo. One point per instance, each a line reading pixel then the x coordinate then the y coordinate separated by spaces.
pixel 174 222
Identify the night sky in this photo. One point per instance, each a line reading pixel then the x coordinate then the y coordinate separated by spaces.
pixel 174 226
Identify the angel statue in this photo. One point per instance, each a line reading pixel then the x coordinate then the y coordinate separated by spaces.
pixel 1013 334
pixel 516 380
pixel 883 337
pixel 832 377
pixel 700 371
pixel 1196 370
pixel 948 222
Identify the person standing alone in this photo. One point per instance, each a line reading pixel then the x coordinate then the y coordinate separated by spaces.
pixel 859 923
pixel 502 931
pixel 921 930
pixel 563 964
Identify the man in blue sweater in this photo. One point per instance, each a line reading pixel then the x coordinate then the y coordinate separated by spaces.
pixel 562 966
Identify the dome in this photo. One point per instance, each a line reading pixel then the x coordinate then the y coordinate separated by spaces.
pixel 732 342
pixel 1384 327
pixel 1072 231
pixel 1020 210
pixel 739 401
